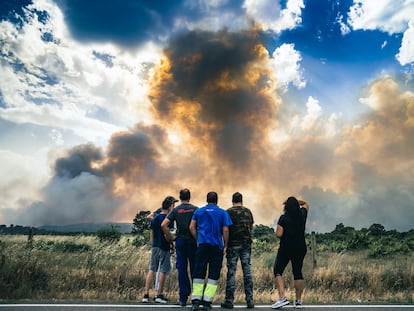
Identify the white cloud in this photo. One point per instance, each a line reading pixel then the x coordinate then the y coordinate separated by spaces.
pixel 66 117
pixel 56 137
pixel 213 21
pixel 74 92
pixel 67 85
pixel 215 16
pixel 205 4
pixel 406 53
pixel 344 27
pixel 286 65
pixel 314 112
pixel 392 16
pixel 271 16
pixel 15 187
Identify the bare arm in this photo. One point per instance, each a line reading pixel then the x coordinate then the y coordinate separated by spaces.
pixel 193 229
pixel 151 237
pixel 304 204
pixel 150 216
pixel 279 231
pixel 225 237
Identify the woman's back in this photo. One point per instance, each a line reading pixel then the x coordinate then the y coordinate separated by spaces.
pixel 293 230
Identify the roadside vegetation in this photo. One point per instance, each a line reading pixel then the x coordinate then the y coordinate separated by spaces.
pixel 345 265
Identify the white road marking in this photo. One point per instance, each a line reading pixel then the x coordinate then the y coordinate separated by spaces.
pixel 146 305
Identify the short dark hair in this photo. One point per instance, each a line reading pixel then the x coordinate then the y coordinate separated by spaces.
pixel 185 194
pixel 166 204
pixel 237 197
pixel 212 197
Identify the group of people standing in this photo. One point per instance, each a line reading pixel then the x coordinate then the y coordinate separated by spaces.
pixel 204 235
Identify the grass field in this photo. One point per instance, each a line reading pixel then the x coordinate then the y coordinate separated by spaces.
pixel 81 268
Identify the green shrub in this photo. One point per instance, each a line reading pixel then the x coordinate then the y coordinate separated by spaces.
pixel 142 239
pixel 260 247
pixel 263 233
pixel 108 235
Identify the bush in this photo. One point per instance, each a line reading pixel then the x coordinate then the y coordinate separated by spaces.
pixel 143 239
pixel 260 247
pixel 263 233
pixel 108 235
pixel 385 246
pixel 140 222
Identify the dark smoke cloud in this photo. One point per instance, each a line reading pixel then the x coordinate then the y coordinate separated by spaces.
pixel 134 154
pixel 92 185
pixel 214 93
pixel 137 22
pixel 79 160
pixel 220 82
pixel 214 89
pixel 129 24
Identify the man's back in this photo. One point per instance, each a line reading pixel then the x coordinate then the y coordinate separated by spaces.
pixel 241 230
pixel 182 215
pixel 157 234
pixel 210 222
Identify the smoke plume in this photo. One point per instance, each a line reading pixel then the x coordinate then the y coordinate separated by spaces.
pixel 220 125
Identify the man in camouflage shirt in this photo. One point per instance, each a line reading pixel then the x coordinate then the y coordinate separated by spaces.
pixel 239 245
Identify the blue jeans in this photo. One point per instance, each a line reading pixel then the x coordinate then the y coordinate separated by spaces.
pixel 185 250
pixel 233 254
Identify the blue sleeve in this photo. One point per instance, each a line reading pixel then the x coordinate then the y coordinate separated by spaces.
pixel 194 217
pixel 227 219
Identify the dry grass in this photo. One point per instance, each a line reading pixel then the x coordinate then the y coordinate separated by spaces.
pixel 116 272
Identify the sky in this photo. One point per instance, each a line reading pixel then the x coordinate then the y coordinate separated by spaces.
pixel 106 107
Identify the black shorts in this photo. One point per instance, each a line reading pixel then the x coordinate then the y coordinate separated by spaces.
pixel 295 256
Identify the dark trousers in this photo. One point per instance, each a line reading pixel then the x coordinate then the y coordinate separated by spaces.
pixel 185 249
pixel 211 256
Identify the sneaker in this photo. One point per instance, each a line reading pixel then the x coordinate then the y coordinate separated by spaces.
pixel 227 305
pixel 160 299
pixel 146 298
pixel 250 304
pixel 280 303
pixel 207 306
pixel 298 304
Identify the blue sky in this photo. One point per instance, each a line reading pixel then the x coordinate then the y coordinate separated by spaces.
pixel 107 107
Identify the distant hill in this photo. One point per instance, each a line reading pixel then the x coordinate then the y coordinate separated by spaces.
pixel 88 227
pixel 59 229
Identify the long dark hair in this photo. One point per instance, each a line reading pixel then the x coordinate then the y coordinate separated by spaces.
pixel 292 209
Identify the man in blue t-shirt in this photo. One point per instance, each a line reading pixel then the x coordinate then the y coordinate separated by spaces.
pixel 210 227
pixel 160 253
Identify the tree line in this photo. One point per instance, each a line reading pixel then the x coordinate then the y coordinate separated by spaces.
pixel 376 240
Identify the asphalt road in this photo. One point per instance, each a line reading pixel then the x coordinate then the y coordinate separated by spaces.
pixel 150 307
